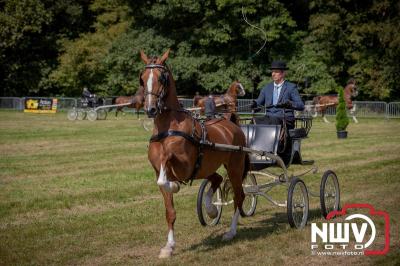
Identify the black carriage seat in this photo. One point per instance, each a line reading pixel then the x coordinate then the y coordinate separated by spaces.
pixel 264 138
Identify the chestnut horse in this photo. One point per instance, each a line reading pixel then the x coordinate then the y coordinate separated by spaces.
pixel 321 103
pixel 225 103
pixel 137 101
pixel 175 149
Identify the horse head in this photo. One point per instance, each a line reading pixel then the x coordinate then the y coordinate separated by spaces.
pixel 157 82
pixel 236 89
pixel 351 89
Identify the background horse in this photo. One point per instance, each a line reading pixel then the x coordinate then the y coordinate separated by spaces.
pixel 136 101
pixel 174 147
pixel 321 103
pixel 225 103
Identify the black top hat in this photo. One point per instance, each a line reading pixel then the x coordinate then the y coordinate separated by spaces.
pixel 279 65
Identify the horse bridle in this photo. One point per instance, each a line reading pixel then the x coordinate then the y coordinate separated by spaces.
pixel 164 80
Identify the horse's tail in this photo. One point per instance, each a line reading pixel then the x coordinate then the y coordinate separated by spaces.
pixel 246 165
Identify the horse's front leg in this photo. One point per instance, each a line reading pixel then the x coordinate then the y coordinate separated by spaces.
pixel 324 118
pixel 170 215
pixel 162 181
pixel 353 114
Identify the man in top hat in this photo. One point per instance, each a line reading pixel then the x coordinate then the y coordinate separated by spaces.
pixel 282 95
pixel 88 97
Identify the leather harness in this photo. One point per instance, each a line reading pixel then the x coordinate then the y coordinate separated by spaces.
pixel 199 142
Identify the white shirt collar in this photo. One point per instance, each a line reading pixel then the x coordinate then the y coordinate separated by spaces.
pixel 279 85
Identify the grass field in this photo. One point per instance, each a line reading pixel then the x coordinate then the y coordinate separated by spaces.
pixel 83 193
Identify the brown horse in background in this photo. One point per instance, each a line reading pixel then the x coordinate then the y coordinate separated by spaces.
pixel 136 102
pixel 174 147
pixel 225 103
pixel 321 103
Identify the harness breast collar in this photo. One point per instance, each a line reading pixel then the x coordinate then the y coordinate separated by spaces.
pixel 199 142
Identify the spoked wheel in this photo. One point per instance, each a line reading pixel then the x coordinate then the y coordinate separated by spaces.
pixel 81 114
pixel 72 114
pixel 101 114
pixel 92 115
pixel 205 218
pixel 297 203
pixel 250 201
pixel 148 124
pixel 329 193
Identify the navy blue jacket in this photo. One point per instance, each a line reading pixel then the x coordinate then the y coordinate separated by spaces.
pixel 288 92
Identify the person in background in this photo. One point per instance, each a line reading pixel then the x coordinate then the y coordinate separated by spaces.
pixel 86 93
pixel 209 107
pixel 88 97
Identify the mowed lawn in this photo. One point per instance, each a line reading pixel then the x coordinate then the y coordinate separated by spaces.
pixel 84 193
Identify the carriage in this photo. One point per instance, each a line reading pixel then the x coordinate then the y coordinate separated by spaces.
pixel 182 149
pixel 263 144
pixel 91 108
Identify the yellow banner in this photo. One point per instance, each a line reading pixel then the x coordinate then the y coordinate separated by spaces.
pixel 41 105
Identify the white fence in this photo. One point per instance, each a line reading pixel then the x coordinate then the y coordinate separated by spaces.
pixel 363 108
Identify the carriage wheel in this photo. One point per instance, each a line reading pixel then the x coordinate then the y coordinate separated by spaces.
pixel 250 201
pixel 81 114
pixel 92 115
pixel 72 114
pixel 201 204
pixel 329 193
pixel 101 114
pixel 148 124
pixel 297 203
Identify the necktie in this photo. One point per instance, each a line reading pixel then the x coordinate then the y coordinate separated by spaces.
pixel 276 95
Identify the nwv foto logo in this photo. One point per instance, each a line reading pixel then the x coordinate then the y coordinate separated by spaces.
pixel 337 235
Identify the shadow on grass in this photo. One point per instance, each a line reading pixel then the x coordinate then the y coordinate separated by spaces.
pixel 259 229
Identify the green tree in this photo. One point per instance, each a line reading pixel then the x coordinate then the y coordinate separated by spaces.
pixel 29 35
pixel 342 121
pixel 359 39
pixel 82 61
pixel 211 44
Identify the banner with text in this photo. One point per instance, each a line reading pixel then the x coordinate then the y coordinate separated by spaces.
pixel 40 105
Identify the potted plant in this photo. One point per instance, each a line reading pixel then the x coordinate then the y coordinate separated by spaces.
pixel 342 120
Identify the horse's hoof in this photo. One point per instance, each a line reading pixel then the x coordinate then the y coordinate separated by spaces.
pixel 165 252
pixel 228 236
pixel 212 211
